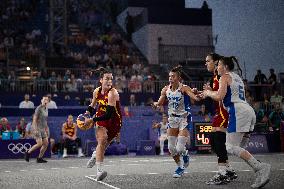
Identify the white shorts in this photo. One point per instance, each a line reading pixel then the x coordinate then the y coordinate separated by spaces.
pixel 234 139
pixel 241 118
pixel 179 122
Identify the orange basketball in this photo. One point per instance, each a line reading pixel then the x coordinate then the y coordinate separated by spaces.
pixel 81 122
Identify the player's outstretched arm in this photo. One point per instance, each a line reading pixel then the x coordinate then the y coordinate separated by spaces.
pixel 190 92
pixel 161 99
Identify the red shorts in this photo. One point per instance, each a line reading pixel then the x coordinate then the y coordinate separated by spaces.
pixel 220 120
pixel 113 127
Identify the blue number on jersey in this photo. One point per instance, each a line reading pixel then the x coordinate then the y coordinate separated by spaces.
pixel 241 93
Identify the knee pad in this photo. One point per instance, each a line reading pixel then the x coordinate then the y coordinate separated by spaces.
pixel 181 142
pixel 235 150
pixel 172 145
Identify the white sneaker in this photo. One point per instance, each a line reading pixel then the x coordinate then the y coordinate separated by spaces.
pixel 81 154
pixel 262 176
pixel 92 162
pixel 101 175
pixel 64 153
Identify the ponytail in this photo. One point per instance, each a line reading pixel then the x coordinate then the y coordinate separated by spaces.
pixel 239 70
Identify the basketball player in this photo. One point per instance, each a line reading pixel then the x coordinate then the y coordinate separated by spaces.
pixel 219 123
pixel 107 119
pixel 40 131
pixel 178 96
pixel 241 117
pixel 162 132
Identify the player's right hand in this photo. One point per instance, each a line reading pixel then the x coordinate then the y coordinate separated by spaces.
pixel 155 105
pixel 206 86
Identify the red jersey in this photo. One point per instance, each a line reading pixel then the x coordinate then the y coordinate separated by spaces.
pixel 221 115
pixel 113 125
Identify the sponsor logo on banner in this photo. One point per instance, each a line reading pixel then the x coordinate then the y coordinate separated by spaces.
pixel 19 147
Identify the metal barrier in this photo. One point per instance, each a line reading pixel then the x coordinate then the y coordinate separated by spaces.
pixel 79 85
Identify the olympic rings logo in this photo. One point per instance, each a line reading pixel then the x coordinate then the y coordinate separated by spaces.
pixel 19 148
pixel 147 148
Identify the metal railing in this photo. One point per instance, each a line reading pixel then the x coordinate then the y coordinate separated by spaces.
pixel 79 85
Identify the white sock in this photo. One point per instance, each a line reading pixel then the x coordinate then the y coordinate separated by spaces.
pixel 255 165
pixel 222 169
pixel 162 146
pixel 99 166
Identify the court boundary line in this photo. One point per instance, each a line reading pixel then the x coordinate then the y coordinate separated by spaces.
pixel 101 182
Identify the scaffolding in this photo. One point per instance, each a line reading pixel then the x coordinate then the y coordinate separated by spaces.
pixel 57 25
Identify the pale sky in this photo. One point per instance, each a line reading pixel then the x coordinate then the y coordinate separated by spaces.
pixel 252 30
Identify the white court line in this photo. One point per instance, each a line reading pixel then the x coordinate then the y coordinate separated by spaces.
pixel 7 171
pixel 153 173
pixel 134 164
pixel 54 168
pixel 106 184
pixel 23 170
pixel 121 174
pixel 73 167
pixel 39 169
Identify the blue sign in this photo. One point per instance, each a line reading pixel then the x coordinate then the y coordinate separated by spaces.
pixel 15 149
pixel 257 144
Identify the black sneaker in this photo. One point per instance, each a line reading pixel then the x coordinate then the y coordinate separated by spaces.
pixel 27 156
pixel 218 179
pixel 232 175
pixel 40 160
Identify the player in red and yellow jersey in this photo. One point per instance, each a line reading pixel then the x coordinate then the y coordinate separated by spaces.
pixel 69 133
pixel 107 119
pixel 219 123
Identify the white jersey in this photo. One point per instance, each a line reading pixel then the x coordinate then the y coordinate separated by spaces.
pixel 163 129
pixel 178 103
pixel 235 92
pixel 241 114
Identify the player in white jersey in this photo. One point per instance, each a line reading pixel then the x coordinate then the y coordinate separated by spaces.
pixel 178 97
pixel 241 117
pixel 162 132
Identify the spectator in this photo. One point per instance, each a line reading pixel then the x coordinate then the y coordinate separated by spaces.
pixel 249 98
pixel 259 79
pixel 28 132
pixel 119 85
pixel 71 85
pixel 21 127
pixel 27 103
pixel 132 100
pixel 4 126
pixel 203 113
pixel 275 118
pixel 12 81
pixel 272 79
pixel 162 132
pixel 51 104
pixel 276 99
pixel 39 82
pixel 52 81
pixel 69 132
pixel 261 118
